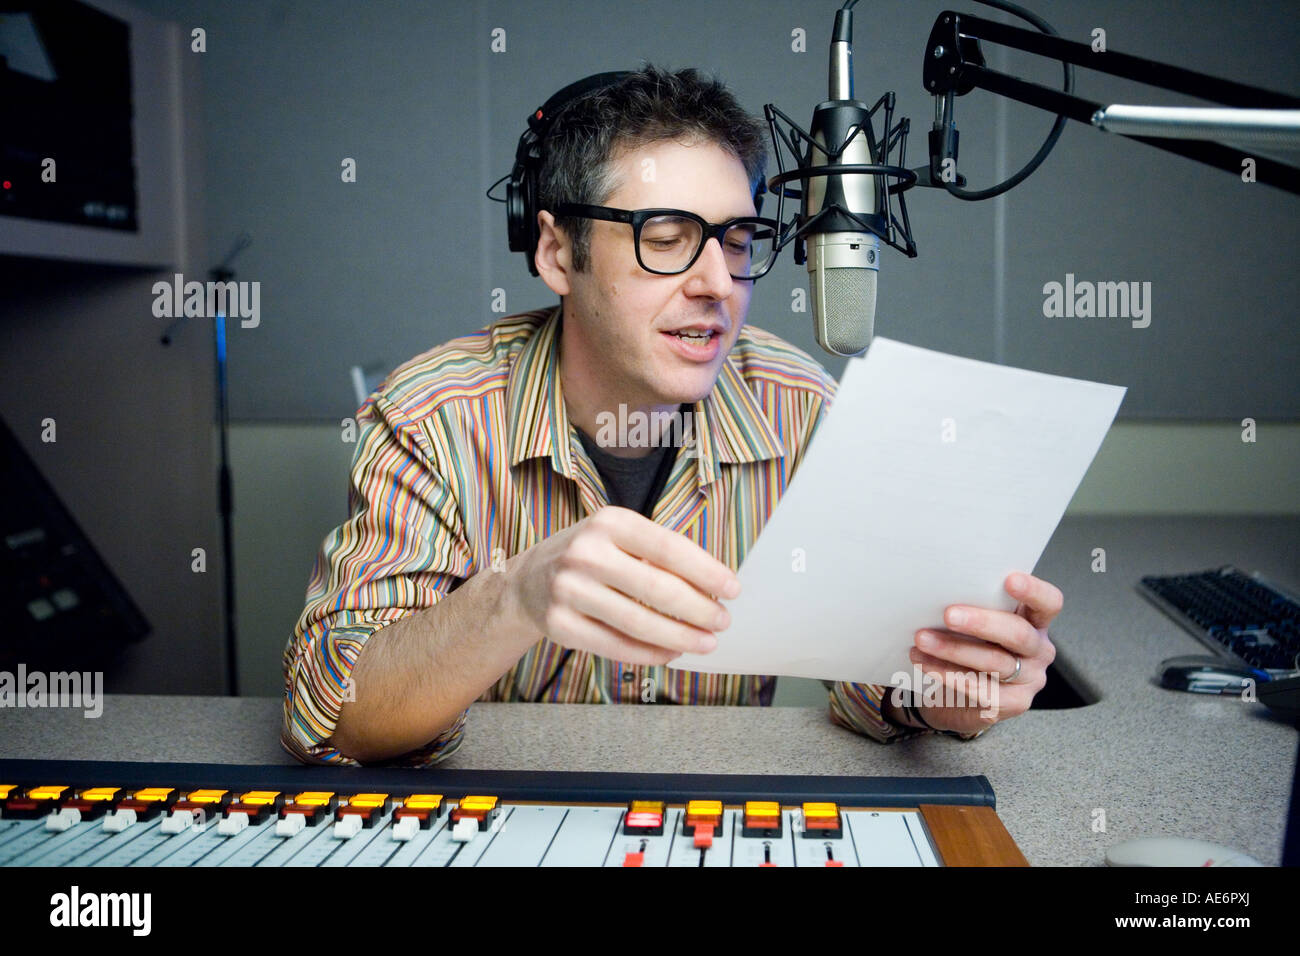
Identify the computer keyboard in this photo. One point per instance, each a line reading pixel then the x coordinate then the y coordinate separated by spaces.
pixel 1242 617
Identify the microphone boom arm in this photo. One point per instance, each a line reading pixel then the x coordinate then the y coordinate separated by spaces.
pixel 953 64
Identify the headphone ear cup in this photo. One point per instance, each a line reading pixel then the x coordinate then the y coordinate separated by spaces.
pixel 528 216
pixel 515 221
pixel 521 191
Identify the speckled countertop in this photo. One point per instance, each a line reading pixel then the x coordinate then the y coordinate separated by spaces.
pixel 1152 761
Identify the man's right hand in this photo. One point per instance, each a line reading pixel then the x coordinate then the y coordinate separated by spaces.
pixel 620 586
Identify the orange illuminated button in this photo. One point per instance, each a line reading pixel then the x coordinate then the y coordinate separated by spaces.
pixel 36 802
pixel 479 808
pixel 311 805
pixel 314 798
pixel 366 806
pixel 644 818
pixel 257 805
pixel 634 859
pixel 702 813
pixel 762 819
pixel 93 802
pixel 205 796
pixel 425 807
pixel 834 862
pixel 424 801
pixel 822 821
pixel 367 801
pixel 148 802
pixel 153 795
pixel 100 793
pixel 260 797
pixel 207 802
pixel 21 806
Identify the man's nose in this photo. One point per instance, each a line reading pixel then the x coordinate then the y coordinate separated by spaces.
pixel 710 274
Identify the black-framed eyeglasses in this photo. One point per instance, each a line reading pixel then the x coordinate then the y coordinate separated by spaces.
pixel 669 241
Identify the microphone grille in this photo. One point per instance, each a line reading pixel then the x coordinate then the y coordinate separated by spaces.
pixel 849 309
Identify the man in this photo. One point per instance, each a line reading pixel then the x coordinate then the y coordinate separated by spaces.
pixel 485 559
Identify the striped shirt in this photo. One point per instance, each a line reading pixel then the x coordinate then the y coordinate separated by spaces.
pixel 465 457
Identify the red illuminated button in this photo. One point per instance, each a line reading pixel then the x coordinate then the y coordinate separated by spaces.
pixel 703 836
pixel 634 859
pixel 644 818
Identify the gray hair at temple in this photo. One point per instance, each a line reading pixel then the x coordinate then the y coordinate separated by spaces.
pixel 651 105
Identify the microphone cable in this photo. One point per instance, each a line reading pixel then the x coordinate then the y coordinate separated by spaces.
pixel 975 195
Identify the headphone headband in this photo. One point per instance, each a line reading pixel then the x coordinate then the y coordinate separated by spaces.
pixel 521 191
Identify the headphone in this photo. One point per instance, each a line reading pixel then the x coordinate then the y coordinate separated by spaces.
pixel 521 190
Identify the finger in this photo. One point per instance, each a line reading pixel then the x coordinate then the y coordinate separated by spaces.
pixel 625 616
pixel 1040 601
pixel 962 686
pixel 968 691
pixel 574 629
pixel 1007 630
pixel 642 538
pixel 957 650
pixel 662 590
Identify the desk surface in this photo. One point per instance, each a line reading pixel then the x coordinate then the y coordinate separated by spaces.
pixel 1155 762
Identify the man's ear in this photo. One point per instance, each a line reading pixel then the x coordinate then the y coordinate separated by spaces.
pixel 554 258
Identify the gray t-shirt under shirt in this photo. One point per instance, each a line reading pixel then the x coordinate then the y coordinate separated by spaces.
pixel 629 481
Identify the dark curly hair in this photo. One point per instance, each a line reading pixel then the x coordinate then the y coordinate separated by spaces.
pixel 651 105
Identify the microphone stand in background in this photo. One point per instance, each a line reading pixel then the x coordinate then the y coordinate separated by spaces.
pixel 225 487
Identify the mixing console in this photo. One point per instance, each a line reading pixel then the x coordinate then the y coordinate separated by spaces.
pixel 74 813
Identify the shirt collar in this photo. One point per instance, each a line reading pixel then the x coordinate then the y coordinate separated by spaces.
pixel 731 426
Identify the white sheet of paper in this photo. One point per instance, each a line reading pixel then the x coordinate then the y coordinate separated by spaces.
pixel 932 478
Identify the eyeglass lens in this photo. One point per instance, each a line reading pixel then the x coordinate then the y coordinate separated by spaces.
pixel 668 243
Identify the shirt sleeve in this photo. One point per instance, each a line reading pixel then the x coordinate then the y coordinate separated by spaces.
pixel 857 706
pixel 403 549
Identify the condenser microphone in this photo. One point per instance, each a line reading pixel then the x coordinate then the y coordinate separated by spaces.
pixel 843 257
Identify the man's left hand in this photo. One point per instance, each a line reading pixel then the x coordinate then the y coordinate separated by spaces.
pixel 1006 645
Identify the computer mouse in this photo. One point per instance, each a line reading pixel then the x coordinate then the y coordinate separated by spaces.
pixel 1175 851
pixel 1203 674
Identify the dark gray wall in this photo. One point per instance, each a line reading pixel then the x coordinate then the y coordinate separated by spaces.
pixel 133 460
pixel 407 257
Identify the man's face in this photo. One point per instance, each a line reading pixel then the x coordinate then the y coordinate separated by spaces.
pixel 623 317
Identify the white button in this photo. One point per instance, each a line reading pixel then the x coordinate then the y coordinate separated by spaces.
pixel 406 828
pixel 291 824
pixel 347 827
pixel 233 824
pixel 62 820
pixel 177 821
pixel 119 820
pixel 466 829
